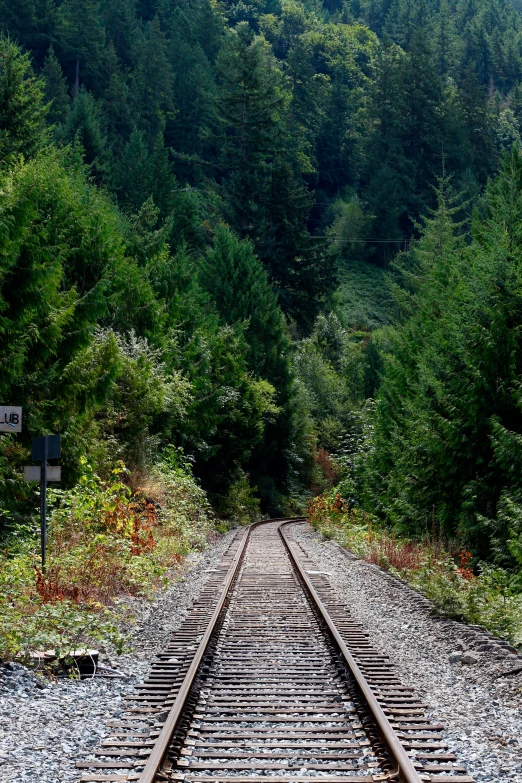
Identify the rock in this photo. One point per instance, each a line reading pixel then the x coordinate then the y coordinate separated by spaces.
pixel 455 657
pixel 469 658
pixel 460 696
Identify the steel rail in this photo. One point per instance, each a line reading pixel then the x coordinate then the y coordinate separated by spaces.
pixel 161 746
pixel 406 771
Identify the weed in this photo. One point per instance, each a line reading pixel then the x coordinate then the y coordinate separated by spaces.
pixel 105 540
pixel 488 597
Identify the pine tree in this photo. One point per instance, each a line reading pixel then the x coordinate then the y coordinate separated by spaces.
pixel 22 110
pixel 243 297
pixel 154 81
pixel 250 104
pixel 56 93
pixel 121 29
pixel 408 139
pixel 300 268
pixel 240 289
pixel 82 126
pixel 118 111
pixel 84 39
pixel 194 102
pixel 446 44
pixel 477 121
pixel 161 177
pixel 132 175
pixel 266 198
pixel 20 20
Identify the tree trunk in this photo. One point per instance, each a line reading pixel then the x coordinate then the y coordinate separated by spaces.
pixel 77 84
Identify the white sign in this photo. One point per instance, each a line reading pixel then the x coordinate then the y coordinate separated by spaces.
pixel 10 419
pixel 34 473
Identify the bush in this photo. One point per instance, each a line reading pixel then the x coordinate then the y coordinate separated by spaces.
pixel 105 540
pixel 489 597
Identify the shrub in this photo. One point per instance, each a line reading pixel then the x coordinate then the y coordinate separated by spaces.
pixel 105 540
pixel 489 597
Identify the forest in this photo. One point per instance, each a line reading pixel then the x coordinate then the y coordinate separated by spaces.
pixel 278 241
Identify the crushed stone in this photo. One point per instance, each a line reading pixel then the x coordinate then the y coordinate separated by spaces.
pixel 481 712
pixel 45 726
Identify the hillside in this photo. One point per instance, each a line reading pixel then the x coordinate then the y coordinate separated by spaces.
pixel 254 253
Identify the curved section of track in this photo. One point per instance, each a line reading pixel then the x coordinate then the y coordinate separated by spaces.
pixel 270 677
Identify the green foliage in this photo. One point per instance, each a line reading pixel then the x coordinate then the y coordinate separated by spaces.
pixel 446 441
pixel 103 540
pixel 55 91
pixel 490 599
pixel 22 111
pixel 330 367
pixel 221 177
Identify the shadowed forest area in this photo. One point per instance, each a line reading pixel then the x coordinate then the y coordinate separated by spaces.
pixel 257 252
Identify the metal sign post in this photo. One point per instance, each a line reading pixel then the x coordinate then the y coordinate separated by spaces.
pixel 44 448
pixel 43 504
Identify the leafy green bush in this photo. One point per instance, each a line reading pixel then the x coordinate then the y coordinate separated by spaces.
pixel 105 541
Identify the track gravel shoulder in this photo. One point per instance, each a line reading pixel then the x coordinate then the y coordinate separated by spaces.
pixel 46 726
pixel 482 715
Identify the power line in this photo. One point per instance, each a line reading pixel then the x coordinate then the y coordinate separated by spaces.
pixel 363 241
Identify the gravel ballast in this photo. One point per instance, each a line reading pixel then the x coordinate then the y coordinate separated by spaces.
pixel 46 726
pixel 481 712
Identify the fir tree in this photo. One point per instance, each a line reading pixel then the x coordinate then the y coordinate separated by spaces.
pixel 121 29
pixel 154 80
pixel 82 126
pixel 84 38
pixel 22 110
pixel 250 104
pixel 56 93
pixel 132 175
pixel 242 294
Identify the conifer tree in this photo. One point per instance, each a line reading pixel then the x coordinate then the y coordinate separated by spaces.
pixel 194 102
pixel 161 177
pixel 446 44
pixel 477 121
pixel 240 289
pixel 56 93
pixel 121 29
pixel 242 294
pixel 84 39
pixel 20 20
pixel 22 110
pixel 131 178
pixel 250 105
pixel 118 111
pixel 154 80
pixel 82 125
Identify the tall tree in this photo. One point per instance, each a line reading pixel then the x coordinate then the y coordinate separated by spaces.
pixel 243 297
pixel 56 93
pixel 154 80
pixel 251 102
pixel 84 38
pixel 240 289
pixel 22 110
pixel 82 125
pixel 266 198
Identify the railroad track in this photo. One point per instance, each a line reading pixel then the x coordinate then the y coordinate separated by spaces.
pixel 270 677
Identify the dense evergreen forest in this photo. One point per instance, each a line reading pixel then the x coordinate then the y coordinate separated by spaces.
pixel 267 233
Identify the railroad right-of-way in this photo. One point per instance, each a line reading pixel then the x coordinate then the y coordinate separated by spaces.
pixel 271 677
